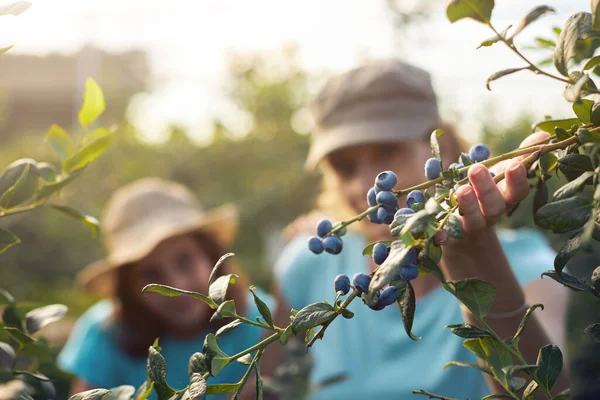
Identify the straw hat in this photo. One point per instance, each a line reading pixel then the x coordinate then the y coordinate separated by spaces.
pixel 380 102
pixel 141 215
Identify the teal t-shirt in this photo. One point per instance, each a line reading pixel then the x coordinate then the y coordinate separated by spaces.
pixel 92 353
pixel 372 349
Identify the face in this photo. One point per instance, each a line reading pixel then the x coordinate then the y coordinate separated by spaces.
pixel 179 262
pixel 356 168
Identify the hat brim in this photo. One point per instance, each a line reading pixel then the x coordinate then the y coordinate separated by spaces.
pixel 98 278
pixel 374 131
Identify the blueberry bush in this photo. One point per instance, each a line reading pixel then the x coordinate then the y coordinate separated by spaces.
pixel 572 149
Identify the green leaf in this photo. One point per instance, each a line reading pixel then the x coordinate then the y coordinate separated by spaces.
pixel 496 357
pixel 564 395
pixel 173 292
pixel 500 74
pixel 6 298
pixel 540 197
pixel 368 250
pixel 347 314
pixel 390 267
pixel 474 346
pixel 246 360
pixel 18 183
pixel 583 83
pixel 156 365
pixel 18 335
pixel 228 327
pixel 577 27
pixel 90 221
pixel 569 281
pixel 40 317
pixel 214 355
pixel 7 357
pixel 225 310
pixel 435 146
pixel 144 391
pixel 259 381
pixel 573 187
pixel 468 331
pixel 525 319
pixel 531 17
pixel 47 189
pixel 454 228
pixel 592 62
pixel 197 389
pixel 89 152
pixel 593 331
pixel 93 103
pixel 467 365
pixel 545 43
pixel 562 134
pixel 476 294
pixel 595 15
pixel 549 363
pixel 262 307
pixel 479 10
pixel 429 266
pixel 407 303
pixel 583 110
pixel 550 124
pixel 588 136
pixel 528 392
pixel 548 162
pixel 564 215
pixel 573 165
pixel 285 336
pixel 94 394
pixel 218 289
pixel 515 369
pixel 7 240
pixel 312 315
pixel 494 39
pixel 496 396
pixel 60 141
pixel 123 392
pixel 47 172
pixel 222 388
pixel 220 262
pixel 197 364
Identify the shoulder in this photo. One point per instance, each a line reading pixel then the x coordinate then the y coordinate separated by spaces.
pixel 528 252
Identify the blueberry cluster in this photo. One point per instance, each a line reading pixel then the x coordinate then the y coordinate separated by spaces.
pixel 381 194
pixel 332 244
pixel 477 153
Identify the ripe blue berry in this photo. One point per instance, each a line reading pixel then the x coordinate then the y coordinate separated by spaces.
pixel 433 168
pixel 493 174
pixel 315 245
pixel 371 197
pixel 341 283
pixel 387 200
pixel 479 152
pixel 462 175
pixel 404 211
pixel 323 227
pixel 386 180
pixel 389 296
pixel 409 272
pixel 385 216
pixel 361 282
pixel 333 244
pixel 416 196
pixel 410 257
pixel 373 217
pixel 380 253
pixel 378 306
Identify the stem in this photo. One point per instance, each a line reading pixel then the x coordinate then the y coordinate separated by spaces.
pixel 257 346
pixel 502 342
pixel 18 210
pixel 359 217
pixel 432 395
pixel 345 304
pixel 257 324
pixel 242 382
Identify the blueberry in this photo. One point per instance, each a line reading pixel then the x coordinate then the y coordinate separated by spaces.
pixel 433 168
pixel 410 257
pixel 323 227
pixel 389 296
pixel 371 197
pixel 462 175
pixel 385 216
pixel 376 190
pixel 361 282
pixel 386 180
pixel 404 211
pixel 315 245
pixel 380 253
pixel 378 306
pixel 416 196
pixel 339 232
pixel 373 217
pixel 409 272
pixel 341 283
pixel 387 200
pixel 333 244
pixel 493 174
pixel 479 152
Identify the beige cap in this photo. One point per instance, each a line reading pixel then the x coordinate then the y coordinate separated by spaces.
pixel 141 215
pixel 379 102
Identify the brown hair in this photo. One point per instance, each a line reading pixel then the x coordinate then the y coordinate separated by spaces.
pixel 137 326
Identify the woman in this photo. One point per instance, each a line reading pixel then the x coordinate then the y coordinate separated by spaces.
pixel 378 117
pixel 155 231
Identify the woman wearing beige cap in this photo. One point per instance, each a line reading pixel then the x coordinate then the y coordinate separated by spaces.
pixel 378 117
pixel 155 231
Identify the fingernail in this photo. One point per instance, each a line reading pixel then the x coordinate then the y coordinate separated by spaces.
pixel 515 167
pixel 478 174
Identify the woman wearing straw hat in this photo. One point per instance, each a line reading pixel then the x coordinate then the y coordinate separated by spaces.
pixel 378 117
pixel 155 231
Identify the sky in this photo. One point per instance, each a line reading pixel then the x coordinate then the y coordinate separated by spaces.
pixel 188 42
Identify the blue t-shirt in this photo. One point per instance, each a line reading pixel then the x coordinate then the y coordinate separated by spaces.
pixel 372 349
pixel 92 353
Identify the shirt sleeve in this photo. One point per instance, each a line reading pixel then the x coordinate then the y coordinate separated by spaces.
pixel 90 350
pixel 528 253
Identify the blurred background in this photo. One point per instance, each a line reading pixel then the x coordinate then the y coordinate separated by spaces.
pixel 214 94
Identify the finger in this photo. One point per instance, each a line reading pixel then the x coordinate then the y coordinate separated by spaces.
pixel 515 186
pixel 490 199
pixel 472 218
pixel 532 139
